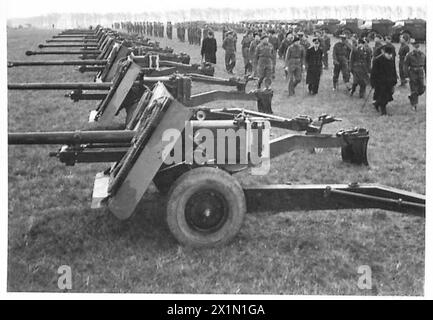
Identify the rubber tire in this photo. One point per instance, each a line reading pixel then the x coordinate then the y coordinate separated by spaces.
pixel 185 186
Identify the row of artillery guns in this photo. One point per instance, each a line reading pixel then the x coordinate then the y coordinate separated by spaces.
pixel 169 137
pixel 103 49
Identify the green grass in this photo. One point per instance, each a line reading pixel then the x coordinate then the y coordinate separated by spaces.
pixel 50 222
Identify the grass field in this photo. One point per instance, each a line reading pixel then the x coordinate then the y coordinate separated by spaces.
pixel 50 222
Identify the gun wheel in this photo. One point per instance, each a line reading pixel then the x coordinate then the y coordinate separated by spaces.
pixel 205 207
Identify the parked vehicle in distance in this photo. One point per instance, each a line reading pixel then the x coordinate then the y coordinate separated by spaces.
pixel 349 27
pixel 414 28
pixel 327 25
pixel 378 26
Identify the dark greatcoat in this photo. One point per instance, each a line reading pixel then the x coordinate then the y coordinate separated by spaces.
pixel 208 50
pixel 313 61
pixel 383 79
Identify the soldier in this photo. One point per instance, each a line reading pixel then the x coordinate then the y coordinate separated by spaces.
pixel 326 48
pixel 230 56
pixel 359 65
pixel 285 44
pixel 263 57
pixel 252 52
pixel 415 67
pixel 383 79
pixel 303 41
pixel 402 52
pixel 294 62
pixel 340 56
pixel 313 62
pixel 273 40
pixel 225 30
pixel 246 42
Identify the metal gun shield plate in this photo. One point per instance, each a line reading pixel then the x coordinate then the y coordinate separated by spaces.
pixel 127 193
pixel 109 72
pixel 122 84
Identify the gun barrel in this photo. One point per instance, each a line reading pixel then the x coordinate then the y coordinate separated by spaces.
pixel 84 46
pixel 70 137
pixel 61 86
pixel 66 36
pixel 32 53
pixel 70 40
pixel 57 63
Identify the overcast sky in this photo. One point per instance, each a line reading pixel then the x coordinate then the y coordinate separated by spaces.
pixel 28 8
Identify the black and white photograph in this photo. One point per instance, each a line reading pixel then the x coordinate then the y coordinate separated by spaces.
pixel 216 148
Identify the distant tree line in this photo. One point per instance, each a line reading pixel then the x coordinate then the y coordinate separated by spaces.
pixel 74 20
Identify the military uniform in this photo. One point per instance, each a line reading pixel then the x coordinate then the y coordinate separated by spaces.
pixel 294 61
pixel 326 48
pixel 415 65
pixel 283 47
pixel 360 62
pixel 264 55
pixel 273 40
pixel 340 55
pixel 402 52
pixel 304 42
pixel 252 51
pixel 230 56
pixel 246 42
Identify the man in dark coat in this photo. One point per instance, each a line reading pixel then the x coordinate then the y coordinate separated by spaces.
pixel 313 61
pixel 383 79
pixel 209 48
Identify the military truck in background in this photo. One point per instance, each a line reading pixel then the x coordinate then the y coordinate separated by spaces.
pixel 414 28
pixel 327 25
pixel 377 26
pixel 349 27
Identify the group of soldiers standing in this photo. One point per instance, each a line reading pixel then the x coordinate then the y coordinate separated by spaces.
pixel 153 29
pixel 192 30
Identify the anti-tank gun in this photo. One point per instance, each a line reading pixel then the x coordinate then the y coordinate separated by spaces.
pixel 166 145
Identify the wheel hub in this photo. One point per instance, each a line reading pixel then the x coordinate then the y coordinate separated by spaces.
pixel 206 211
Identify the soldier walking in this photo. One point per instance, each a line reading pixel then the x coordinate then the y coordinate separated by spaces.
pixel 383 79
pixel 294 62
pixel 263 57
pixel 313 62
pixel 246 42
pixel 273 40
pixel 286 43
pixel 402 52
pixel 252 52
pixel 326 48
pixel 340 55
pixel 415 66
pixel 359 65
pixel 230 56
